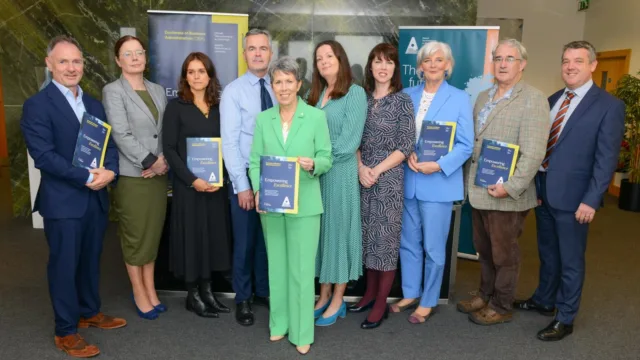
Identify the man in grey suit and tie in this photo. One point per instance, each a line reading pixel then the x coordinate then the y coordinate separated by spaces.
pixel 516 113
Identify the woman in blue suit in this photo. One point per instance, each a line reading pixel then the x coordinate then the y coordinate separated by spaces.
pixel 431 187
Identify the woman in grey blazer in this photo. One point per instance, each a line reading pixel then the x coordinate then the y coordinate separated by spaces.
pixel 135 108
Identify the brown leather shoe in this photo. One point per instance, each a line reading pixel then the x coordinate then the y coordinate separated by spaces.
pixel 488 316
pixel 75 346
pixel 102 321
pixel 474 304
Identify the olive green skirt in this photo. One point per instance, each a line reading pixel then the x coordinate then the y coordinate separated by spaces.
pixel 141 205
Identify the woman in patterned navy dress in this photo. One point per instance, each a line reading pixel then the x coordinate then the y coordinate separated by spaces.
pixel 388 139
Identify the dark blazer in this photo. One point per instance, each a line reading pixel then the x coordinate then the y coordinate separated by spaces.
pixel 50 129
pixel 586 154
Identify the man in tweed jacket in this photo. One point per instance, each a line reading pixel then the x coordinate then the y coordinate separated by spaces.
pixel 516 113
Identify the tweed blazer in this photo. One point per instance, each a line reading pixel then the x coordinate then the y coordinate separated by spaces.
pixel 133 128
pixel 523 119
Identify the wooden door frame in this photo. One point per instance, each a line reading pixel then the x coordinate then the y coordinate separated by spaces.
pixel 603 55
pixel 625 53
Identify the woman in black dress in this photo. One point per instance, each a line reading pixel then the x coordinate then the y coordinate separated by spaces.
pixel 199 236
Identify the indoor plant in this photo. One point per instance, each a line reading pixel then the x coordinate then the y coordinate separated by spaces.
pixel 628 90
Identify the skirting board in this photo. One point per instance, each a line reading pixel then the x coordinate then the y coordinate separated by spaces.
pixel 227 295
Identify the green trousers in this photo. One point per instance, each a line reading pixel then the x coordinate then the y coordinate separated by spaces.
pixel 292 244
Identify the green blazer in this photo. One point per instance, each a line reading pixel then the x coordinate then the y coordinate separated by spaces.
pixel 308 137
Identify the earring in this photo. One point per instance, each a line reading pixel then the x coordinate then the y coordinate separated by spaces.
pixel 446 74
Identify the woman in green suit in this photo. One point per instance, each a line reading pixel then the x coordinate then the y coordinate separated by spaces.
pixel 292 129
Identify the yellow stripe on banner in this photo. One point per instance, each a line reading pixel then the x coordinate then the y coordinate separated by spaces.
pixel 243 27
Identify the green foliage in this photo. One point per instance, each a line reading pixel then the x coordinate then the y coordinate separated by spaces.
pixel 629 91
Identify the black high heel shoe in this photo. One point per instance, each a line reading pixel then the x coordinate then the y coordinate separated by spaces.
pixel 366 324
pixel 195 304
pixel 354 308
pixel 207 296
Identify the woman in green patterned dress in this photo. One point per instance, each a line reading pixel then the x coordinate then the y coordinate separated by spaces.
pixel 339 258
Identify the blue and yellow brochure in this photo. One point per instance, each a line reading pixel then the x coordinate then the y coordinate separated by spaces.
pixel 204 159
pixel 436 139
pixel 497 162
pixel 279 180
pixel 91 146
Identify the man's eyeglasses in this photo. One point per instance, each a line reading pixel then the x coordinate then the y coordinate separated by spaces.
pixel 128 54
pixel 508 59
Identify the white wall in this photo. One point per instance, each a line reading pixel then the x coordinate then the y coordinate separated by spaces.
pixel 614 25
pixel 548 25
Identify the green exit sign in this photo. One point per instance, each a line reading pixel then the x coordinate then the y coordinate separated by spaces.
pixel 583 5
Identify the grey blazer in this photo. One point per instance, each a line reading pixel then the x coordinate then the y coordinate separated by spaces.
pixel 133 128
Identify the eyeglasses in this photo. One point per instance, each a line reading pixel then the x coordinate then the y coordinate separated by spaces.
pixel 128 54
pixel 508 59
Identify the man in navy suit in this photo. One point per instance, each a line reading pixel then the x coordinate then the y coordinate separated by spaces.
pixel 582 153
pixel 73 201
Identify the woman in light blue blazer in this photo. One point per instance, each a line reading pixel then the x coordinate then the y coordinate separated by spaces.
pixel 431 187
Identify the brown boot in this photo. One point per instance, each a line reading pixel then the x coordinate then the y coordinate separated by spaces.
pixel 488 316
pixel 75 346
pixel 474 304
pixel 102 321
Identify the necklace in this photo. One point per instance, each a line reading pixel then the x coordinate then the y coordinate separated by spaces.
pixel 286 123
pixel 200 106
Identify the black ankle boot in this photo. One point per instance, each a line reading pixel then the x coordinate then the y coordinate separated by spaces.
pixel 210 299
pixel 196 305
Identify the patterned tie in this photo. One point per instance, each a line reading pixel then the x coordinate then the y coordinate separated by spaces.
pixel 265 98
pixel 556 127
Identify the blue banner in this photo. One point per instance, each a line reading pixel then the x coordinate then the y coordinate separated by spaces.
pixel 91 145
pixel 174 35
pixel 279 178
pixel 204 159
pixel 471 48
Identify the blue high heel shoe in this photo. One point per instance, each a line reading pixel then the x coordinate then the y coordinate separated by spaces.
pixel 317 313
pixel 342 312
pixel 161 308
pixel 149 315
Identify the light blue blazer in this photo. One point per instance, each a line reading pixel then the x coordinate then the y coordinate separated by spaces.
pixel 449 104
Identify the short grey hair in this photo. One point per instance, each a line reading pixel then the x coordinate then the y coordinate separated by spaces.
pixel 582 45
pixel 431 48
pixel 62 39
pixel 287 65
pixel 522 51
pixel 255 31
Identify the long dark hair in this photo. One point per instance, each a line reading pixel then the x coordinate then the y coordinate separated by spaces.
pixel 212 93
pixel 343 81
pixel 384 52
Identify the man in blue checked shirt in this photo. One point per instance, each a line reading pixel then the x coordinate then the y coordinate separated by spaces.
pixel 241 102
